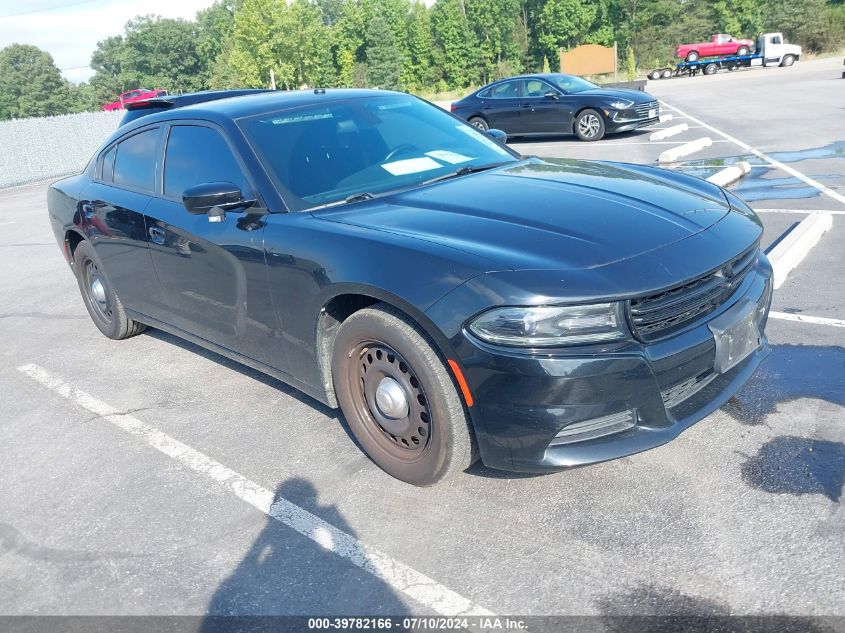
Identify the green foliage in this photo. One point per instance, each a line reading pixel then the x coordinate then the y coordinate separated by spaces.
pixel 31 84
pixel 402 44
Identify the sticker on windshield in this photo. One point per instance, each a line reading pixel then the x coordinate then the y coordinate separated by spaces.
pixel 480 136
pixel 453 158
pixel 411 166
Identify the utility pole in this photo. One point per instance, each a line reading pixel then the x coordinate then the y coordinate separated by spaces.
pixel 272 79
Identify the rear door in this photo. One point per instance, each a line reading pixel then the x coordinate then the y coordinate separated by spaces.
pixel 112 214
pixel 213 277
pixel 501 106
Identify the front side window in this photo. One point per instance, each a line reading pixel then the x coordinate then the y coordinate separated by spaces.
pixel 535 88
pixel 197 155
pixel 135 162
pixel 324 154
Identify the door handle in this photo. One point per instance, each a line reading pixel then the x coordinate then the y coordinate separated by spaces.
pixel 525 105
pixel 156 235
pixel 88 210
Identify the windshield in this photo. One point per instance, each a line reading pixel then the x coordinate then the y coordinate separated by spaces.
pixel 572 85
pixel 322 154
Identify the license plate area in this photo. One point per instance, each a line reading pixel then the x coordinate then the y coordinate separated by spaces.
pixel 736 334
pixel 652 113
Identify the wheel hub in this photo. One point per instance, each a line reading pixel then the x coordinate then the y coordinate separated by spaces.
pixel 391 399
pixel 98 291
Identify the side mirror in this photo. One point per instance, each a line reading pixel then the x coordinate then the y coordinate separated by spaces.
pixel 551 94
pixel 497 135
pixel 214 199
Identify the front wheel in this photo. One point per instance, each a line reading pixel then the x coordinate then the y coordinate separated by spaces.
pixel 742 50
pixel 479 123
pixel 101 300
pixel 787 60
pixel 589 126
pixel 398 397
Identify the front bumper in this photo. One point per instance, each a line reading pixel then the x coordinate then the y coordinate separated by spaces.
pixel 627 120
pixel 522 400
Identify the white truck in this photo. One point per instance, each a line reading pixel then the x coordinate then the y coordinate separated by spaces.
pixel 771 50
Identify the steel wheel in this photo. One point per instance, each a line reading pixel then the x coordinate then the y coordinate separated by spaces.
pixel 399 398
pixel 95 286
pixel 693 56
pixel 391 399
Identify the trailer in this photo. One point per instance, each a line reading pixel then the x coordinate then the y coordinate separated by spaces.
pixel 770 51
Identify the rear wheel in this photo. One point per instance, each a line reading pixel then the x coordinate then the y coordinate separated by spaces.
pixel 398 397
pixel 787 60
pixel 692 56
pixel 655 74
pixel 479 123
pixel 710 69
pixel 589 126
pixel 101 301
pixel 667 73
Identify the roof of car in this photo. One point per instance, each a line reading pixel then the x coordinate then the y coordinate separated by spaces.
pixel 224 106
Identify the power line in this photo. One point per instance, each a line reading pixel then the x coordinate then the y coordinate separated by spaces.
pixel 45 9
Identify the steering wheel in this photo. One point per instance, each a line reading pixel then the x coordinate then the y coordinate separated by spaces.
pixel 404 148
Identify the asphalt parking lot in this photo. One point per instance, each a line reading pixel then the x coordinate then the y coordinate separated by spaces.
pixel 138 477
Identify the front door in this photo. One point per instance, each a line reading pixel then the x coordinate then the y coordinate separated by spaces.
pixel 541 114
pixel 212 274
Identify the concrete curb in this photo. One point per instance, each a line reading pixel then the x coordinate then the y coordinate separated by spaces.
pixel 665 117
pixel 795 246
pixel 671 155
pixel 730 175
pixel 669 131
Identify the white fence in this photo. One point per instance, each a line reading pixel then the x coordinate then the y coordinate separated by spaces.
pixel 50 147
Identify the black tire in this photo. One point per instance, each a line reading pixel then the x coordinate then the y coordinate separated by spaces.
pixel 101 301
pixel 478 122
pixel 432 440
pixel 742 50
pixel 589 125
pixel 655 74
pixel 692 56
pixel 787 60
pixel 711 69
pixel 667 73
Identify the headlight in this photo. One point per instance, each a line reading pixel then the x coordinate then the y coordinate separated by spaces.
pixel 551 325
pixel 621 105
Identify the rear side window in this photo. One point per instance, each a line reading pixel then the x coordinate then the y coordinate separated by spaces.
pixel 106 170
pixel 197 155
pixel 135 162
pixel 505 90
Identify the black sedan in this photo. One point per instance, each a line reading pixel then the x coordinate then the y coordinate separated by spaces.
pixel 533 105
pixel 455 300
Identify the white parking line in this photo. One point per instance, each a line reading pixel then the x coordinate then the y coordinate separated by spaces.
pixel 394 573
pixel 790 170
pixel 800 211
pixel 801 318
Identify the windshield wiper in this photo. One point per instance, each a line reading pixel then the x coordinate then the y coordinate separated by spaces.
pixel 463 171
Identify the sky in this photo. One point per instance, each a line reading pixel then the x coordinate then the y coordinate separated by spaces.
pixel 70 29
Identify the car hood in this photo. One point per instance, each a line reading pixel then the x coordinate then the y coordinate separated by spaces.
pixel 637 96
pixel 548 214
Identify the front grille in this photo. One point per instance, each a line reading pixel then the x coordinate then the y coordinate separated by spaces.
pixel 659 315
pixel 643 108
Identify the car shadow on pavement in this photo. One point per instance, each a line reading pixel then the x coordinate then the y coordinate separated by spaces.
pixel 789 373
pixel 244 370
pixel 287 573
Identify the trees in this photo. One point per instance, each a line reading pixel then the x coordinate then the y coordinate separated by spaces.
pixel 31 84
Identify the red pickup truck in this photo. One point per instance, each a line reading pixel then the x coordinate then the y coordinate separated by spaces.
pixel 130 96
pixel 721 44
